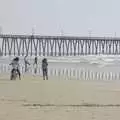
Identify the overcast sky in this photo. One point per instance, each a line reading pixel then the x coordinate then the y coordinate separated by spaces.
pixel 50 17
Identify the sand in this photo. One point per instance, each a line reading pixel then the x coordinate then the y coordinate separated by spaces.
pixel 57 99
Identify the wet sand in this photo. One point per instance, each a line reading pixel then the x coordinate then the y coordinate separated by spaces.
pixel 57 99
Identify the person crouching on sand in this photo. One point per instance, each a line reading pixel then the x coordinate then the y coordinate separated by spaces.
pixel 15 67
pixel 35 65
pixel 26 63
pixel 45 68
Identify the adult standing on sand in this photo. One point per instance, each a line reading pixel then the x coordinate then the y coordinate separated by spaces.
pixel 35 64
pixel 26 63
pixel 45 68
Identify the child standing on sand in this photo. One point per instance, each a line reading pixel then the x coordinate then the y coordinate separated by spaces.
pixel 45 68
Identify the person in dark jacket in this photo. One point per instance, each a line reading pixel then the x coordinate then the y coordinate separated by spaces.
pixel 45 68
pixel 35 64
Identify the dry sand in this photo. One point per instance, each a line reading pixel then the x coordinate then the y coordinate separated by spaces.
pixel 35 99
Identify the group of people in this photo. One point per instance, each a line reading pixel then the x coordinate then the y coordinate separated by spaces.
pixel 16 67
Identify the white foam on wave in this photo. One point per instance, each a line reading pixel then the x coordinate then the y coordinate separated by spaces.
pixel 96 60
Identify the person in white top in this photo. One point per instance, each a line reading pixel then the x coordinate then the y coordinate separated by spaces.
pixel 15 67
pixel 26 63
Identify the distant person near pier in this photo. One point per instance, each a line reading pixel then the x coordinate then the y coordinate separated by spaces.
pixel 45 68
pixel 35 65
pixel 15 67
pixel 26 63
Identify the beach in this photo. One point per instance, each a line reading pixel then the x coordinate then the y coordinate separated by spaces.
pixel 75 43
pixel 33 98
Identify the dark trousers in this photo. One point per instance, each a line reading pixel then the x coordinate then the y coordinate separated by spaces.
pixel 45 73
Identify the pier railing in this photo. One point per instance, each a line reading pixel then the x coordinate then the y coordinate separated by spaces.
pixel 22 45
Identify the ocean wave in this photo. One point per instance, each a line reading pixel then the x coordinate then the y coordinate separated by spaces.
pixel 99 60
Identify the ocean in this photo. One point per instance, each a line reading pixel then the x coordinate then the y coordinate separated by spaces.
pixel 91 67
pixel 97 62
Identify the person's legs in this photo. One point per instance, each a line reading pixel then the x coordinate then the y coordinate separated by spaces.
pixel 12 71
pixel 46 73
pixel 19 74
pixel 43 74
